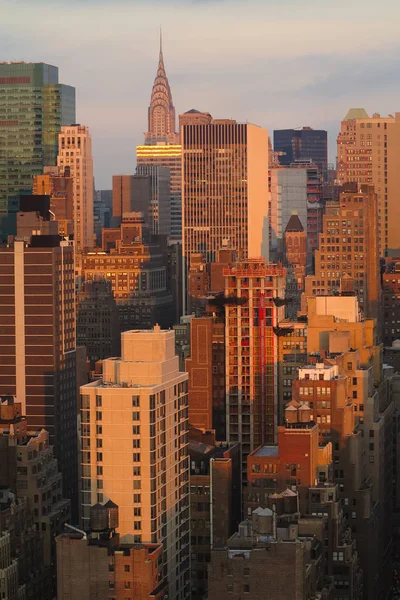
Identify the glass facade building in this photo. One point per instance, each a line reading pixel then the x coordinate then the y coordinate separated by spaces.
pixel 301 144
pixel 33 108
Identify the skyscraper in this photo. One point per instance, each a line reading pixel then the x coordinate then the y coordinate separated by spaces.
pixel 122 196
pixel 37 331
pixel 33 108
pixel 347 260
pixel 252 352
pixel 225 189
pixel 75 152
pixel 368 151
pixel 135 448
pixel 161 113
pixel 158 210
pixel 300 144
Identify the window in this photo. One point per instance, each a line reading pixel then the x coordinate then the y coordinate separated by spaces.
pixel 136 401
pixel 371 433
pixel 99 457
pixel 136 429
pixel 349 366
pixel 99 470
pixel 99 401
pixel 137 525
pixel 137 498
pixel 136 471
pixel 136 457
pixel 137 511
pixel 136 416
pixel 354 380
pixel 246 588
pixel 100 484
pixel 127 585
pixel 127 568
pixel 354 394
pixel 99 443
pixel 371 446
pixel 136 443
pixel 99 415
pixel 137 484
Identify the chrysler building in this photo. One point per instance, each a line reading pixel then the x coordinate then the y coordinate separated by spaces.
pixel 161 127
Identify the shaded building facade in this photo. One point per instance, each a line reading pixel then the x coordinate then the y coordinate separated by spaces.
pixel 300 144
pixel 34 107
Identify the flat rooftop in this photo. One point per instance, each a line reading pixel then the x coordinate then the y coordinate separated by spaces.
pixel 266 451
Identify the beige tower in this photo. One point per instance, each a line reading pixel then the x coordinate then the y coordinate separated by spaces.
pixel 368 152
pixel 134 425
pixel 225 189
pixel 75 152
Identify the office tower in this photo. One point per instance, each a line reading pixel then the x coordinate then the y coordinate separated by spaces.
pixel 134 429
pixel 225 189
pixel 206 370
pixel 102 207
pixel 37 331
pixel 75 152
pixel 257 290
pixel 58 184
pixel 168 156
pixel 301 144
pixel 161 112
pixel 97 320
pixel 157 207
pixel 215 501
pixel 122 196
pixel 292 354
pixel 288 194
pixel 33 108
pixel 368 150
pixel 137 267
pixel 32 472
pixel 347 259
pixel 97 565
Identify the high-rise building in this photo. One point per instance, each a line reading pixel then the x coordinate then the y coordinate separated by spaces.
pixel 158 206
pixel 33 108
pixel 58 184
pixel 225 189
pixel 169 156
pixel 368 150
pixel 252 352
pixel 102 208
pixel 206 369
pixel 134 435
pixel 391 302
pixel 300 144
pixel 215 501
pixel 75 152
pixel 347 259
pixel 122 195
pixel 295 260
pixel 288 195
pixel 37 331
pixel 161 113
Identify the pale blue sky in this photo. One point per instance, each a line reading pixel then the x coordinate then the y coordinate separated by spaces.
pixel 276 63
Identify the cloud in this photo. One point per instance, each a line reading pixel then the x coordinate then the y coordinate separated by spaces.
pixel 278 64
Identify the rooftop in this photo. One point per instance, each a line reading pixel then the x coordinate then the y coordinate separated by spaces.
pixel 266 451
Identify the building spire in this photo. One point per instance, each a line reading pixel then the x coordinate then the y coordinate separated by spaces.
pixel 161 110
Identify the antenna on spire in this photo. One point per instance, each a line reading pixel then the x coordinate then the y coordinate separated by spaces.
pixel 160 40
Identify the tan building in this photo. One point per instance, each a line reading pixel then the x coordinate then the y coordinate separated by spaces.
pixel 368 152
pixel 122 195
pixel 347 260
pixel 225 189
pixel 252 352
pixel 134 428
pixel 75 152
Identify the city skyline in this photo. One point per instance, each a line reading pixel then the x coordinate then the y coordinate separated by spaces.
pixel 113 66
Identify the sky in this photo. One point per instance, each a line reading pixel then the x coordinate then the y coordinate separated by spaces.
pixel 275 63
